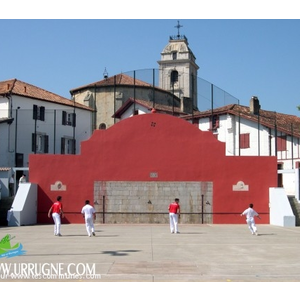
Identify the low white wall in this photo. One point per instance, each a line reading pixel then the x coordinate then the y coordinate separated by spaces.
pixel 24 205
pixel 281 213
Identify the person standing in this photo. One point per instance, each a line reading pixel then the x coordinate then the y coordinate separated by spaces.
pixel 250 213
pixel 89 214
pixel 22 179
pixel 57 212
pixel 9 215
pixel 11 186
pixel 174 214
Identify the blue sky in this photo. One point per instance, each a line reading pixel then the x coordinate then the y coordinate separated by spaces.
pixel 244 57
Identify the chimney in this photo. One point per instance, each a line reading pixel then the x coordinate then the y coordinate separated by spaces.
pixel 254 105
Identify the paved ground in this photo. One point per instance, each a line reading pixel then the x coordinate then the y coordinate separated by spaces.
pixel 150 253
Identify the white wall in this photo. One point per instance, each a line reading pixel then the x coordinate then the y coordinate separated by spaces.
pixel 4 107
pixel 24 126
pixel 281 213
pixel 129 112
pixel 24 205
pixel 262 143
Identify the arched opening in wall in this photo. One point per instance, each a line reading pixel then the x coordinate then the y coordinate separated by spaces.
pixel 102 126
pixel 174 77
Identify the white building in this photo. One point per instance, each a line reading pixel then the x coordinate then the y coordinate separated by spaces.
pixel 251 131
pixel 34 121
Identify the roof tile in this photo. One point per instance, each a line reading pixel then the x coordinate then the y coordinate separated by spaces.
pixel 120 79
pixel 17 87
pixel 288 124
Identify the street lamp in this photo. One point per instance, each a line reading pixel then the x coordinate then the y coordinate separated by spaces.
pixel 16 136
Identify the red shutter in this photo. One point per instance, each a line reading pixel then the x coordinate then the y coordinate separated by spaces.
pixel 244 140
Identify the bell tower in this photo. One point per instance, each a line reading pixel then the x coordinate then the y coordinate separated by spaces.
pixel 178 69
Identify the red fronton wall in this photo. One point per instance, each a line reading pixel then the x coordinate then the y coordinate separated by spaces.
pixel 173 148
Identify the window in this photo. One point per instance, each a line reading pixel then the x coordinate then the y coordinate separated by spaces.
pixel 214 122
pixel 102 126
pixel 69 119
pixel 244 140
pixel 174 55
pixel 195 122
pixel 38 113
pixel 281 143
pixel 174 77
pixel 68 145
pixel 19 159
pixel 40 143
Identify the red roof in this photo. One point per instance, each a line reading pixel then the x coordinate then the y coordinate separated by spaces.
pixel 17 87
pixel 288 124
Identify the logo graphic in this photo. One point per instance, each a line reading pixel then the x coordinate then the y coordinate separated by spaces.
pixel 6 250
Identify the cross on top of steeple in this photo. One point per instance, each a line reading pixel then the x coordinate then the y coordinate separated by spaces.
pixel 178 36
pixel 178 27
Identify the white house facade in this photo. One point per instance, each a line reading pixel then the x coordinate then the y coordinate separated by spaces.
pixel 251 131
pixel 34 121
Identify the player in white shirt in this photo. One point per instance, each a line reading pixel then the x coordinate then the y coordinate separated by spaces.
pixel 89 214
pixel 250 213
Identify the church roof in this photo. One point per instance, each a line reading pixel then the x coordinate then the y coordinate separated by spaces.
pixel 120 79
pixel 288 124
pixel 20 88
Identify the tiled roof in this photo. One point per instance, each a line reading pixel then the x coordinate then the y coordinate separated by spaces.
pixel 120 79
pixel 288 124
pixel 149 106
pixel 17 87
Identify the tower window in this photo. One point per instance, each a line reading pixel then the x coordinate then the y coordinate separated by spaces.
pixel 174 55
pixel 174 77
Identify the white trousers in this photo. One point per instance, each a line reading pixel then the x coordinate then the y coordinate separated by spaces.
pixel 89 224
pixel 251 225
pixel 57 223
pixel 173 222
